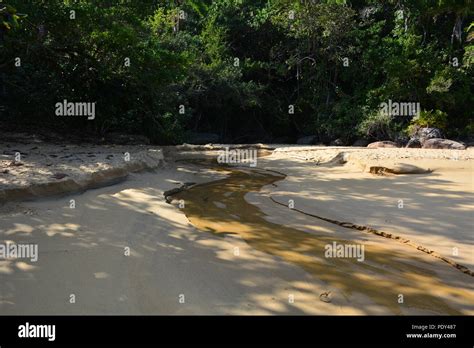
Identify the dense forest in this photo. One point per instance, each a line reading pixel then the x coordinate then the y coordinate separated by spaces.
pixel 238 70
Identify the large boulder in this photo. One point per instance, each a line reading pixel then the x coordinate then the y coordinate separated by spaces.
pixel 382 144
pixel 401 140
pixel 307 140
pixel 429 133
pixel 414 143
pixel 203 138
pixel 423 134
pixel 439 143
pixel 467 140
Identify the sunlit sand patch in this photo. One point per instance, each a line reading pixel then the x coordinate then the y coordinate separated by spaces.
pixel 64 230
pixel 101 275
pixel 19 228
pixel 23 266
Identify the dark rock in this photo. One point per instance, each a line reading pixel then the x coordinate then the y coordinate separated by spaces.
pixel 401 140
pixel 307 140
pixel 414 143
pixel 422 135
pixel 467 140
pixel 438 143
pixel 381 144
pixel 325 138
pixel 361 143
pixel 429 133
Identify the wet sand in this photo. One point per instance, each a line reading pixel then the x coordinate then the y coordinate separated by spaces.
pixel 235 249
pixel 387 271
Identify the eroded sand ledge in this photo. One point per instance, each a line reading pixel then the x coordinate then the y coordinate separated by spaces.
pixel 46 170
pixel 432 208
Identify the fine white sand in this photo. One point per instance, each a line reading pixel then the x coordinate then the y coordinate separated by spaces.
pixel 82 250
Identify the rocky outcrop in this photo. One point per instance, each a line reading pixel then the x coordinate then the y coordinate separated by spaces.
pixel 429 133
pixel 438 143
pixel 401 140
pixel 62 183
pixel 414 143
pixel 423 134
pixel 382 144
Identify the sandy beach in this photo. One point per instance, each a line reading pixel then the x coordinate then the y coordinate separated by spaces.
pixel 301 171
pixel 235 246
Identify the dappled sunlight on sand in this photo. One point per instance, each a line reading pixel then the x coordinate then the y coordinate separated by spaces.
pixel 384 275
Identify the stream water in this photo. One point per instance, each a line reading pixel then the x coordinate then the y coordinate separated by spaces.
pixel 219 207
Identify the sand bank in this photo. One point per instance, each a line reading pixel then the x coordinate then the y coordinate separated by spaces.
pixel 269 261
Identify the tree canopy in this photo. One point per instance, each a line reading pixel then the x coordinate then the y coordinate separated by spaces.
pixel 247 70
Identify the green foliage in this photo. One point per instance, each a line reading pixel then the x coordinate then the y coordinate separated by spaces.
pixel 436 119
pixel 84 59
pixel 469 48
pixel 237 65
pixel 377 125
pixel 9 17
